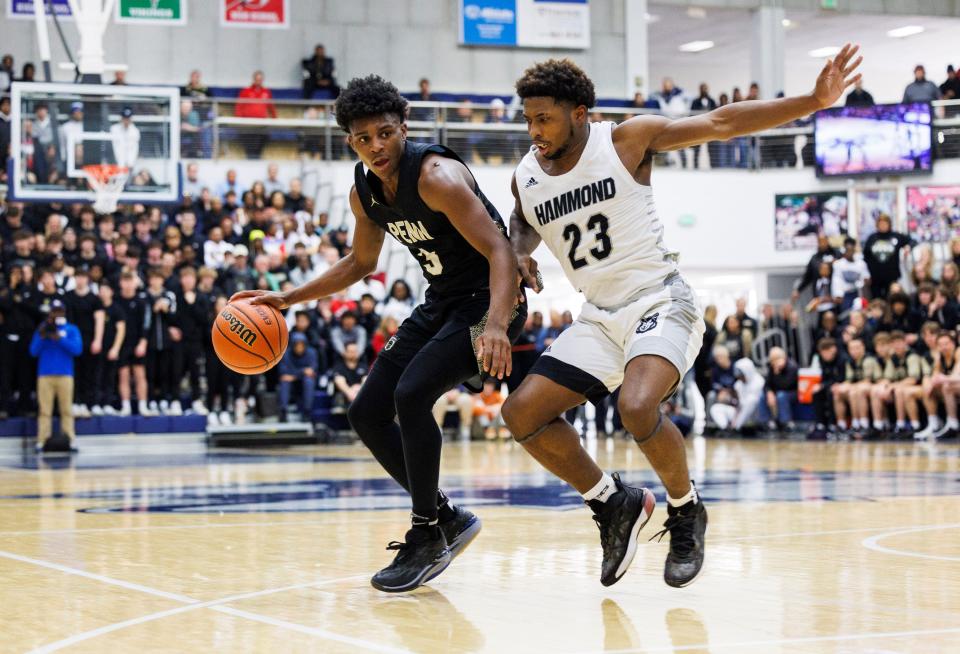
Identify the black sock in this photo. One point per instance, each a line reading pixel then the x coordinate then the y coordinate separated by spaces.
pixel 445 512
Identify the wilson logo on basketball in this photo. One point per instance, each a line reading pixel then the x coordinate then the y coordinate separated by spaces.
pixel 243 332
pixel 264 315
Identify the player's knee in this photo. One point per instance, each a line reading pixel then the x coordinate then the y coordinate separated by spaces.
pixel 410 395
pixel 639 412
pixel 512 416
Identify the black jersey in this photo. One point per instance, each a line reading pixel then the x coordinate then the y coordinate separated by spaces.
pixel 113 318
pixel 80 310
pixel 450 264
pixel 137 315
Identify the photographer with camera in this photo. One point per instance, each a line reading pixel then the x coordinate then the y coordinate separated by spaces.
pixel 55 344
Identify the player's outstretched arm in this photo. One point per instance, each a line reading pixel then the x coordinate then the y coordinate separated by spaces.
pixel 362 260
pixel 741 118
pixel 448 187
pixel 524 240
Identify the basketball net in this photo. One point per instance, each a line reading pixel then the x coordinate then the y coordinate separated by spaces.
pixel 107 181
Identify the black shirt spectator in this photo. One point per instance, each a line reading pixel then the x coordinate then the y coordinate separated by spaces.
pixel 858 97
pixel 950 89
pixel 423 113
pixel 318 73
pixel 195 88
pixel 881 252
pixel 825 252
pixel 703 102
pixel 746 322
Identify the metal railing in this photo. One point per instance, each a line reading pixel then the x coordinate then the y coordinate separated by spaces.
pixel 481 133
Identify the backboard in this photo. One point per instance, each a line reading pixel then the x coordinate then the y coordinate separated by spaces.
pixel 57 129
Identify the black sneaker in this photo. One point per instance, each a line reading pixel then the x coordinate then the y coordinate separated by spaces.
pixel 687 526
pixel 620 520
pixel 460 530
pixel 421 557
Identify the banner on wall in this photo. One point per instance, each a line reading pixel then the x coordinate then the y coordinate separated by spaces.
pixel 870 205
pixel 152 12
pixel 800 218
pixel 256 14
pixel 24 8
pixel 525 23
pixel 933 212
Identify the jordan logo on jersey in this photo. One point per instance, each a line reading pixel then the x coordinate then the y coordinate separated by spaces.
pixel 575 200
pixel 648 323
pixel 409 232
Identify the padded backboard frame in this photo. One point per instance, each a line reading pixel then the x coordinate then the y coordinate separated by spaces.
pixel 167 191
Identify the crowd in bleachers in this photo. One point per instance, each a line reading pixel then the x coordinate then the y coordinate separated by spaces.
pixel 143 285
pixel 883 326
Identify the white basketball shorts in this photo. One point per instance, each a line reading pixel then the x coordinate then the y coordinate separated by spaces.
pixel 591 355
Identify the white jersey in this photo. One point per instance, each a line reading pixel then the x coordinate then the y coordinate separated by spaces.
pixel 598 221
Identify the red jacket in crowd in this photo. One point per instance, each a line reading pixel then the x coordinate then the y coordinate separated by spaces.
pixel 256 109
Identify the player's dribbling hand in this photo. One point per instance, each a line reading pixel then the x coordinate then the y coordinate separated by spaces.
pixel 494 349
pixel 835 77
pixel 528 271
pixel 274 298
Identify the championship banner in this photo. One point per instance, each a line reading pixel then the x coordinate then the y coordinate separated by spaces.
pixel 257 14
pixel 152 12
pixel 24 9
pixel 525 23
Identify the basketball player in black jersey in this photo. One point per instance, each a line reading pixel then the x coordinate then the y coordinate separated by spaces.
pixel 426 198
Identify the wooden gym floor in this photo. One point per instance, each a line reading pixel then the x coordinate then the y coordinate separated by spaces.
pixel 155 544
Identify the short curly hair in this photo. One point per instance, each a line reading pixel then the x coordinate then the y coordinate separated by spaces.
pixel 368 96
pixel 560 79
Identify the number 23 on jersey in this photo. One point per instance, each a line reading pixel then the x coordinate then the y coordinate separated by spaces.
pixel 602 247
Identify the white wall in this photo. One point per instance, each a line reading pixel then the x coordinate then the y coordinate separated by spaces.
pixel 402 40
pixel 729 244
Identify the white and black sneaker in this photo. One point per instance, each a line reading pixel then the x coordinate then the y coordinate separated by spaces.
pixel 421 557
pixel 620 520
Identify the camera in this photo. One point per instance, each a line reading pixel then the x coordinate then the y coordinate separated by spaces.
pixel 49 329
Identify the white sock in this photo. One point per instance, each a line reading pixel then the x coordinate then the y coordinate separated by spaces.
pixel 842 424
pixel 901 424
pixel 952 423
pixel 934 423
pixel 691 496
pixel 603 491
pixel 915 424
pixel 879 424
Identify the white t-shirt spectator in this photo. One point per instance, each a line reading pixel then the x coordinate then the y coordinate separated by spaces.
pixel 848 276
pixel 214 253
pixel 396 308
pixel 126 144
pixel 70 128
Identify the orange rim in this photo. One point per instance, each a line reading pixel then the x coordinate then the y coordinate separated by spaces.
pixel 104 172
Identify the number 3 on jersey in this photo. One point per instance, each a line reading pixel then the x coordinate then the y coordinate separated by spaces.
pixel 598 224
pixel 431 261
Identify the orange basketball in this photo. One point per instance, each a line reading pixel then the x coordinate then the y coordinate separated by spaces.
pixel 248 338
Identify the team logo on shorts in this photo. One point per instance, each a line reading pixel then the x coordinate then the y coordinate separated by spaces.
pixel 648 323
pixel 390 343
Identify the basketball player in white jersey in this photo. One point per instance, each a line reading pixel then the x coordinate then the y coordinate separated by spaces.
pixel 584 189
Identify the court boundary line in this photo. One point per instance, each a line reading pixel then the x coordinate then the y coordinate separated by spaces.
pixel 872 543
pixel 517 516
pixel 782 641
pixel 192 604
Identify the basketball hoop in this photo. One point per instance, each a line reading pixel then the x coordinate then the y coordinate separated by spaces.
pixel 107 181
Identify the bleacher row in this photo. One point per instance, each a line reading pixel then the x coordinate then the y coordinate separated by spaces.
pixel 324 413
